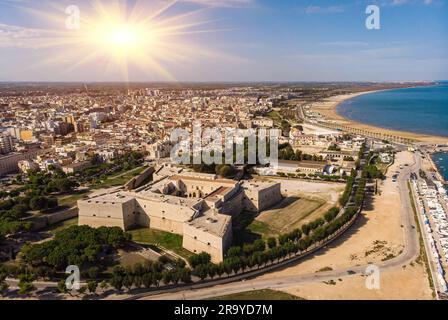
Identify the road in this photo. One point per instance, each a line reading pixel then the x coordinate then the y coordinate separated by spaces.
pixel 410 253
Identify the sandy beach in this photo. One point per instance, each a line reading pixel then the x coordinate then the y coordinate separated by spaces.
pixel 328 109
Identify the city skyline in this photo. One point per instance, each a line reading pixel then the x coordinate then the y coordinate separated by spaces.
pixel 229 41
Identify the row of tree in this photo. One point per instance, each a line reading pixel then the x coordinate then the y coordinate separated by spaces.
pixel 261 252
pixel 150 274
pixel 348 189
pixel 286 152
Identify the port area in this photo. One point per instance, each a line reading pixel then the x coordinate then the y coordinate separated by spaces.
pixel 431 200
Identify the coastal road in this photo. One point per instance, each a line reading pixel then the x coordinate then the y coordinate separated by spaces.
pixel 410 253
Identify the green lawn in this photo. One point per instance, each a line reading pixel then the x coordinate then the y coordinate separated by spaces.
pixel 71 200
pixel 62 226
pixel 262 229
pixel 120 178
pixel 259 295
pixel 166 240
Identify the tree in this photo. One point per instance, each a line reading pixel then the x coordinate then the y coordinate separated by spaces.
pixel 38 203
pixel 128 281
pixel 26 283
pixel 147 280
pixel 212 270
pixel 93 272
pixel 202 271
pixel 82 290
pixel 167 277
pixel 104 285
pixel 117 280
pixel 306 229
pixel 331 214
pixel 185 275
pixel 219 270
pixel 164 259
pixel 92 286
pixel 62 185
pixel 234 252
pixel 202 258
pixel 3 285
pixel 77 245
pixel 3 288
pixel 180 263
pixel 157 278
pixel 272 243
pixel 227 267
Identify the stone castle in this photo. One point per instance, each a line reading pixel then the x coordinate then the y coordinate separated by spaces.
pixel 200 207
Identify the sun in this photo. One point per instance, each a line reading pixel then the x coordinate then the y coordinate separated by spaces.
pixel 121 37
pixel 124 36
pixel 144 36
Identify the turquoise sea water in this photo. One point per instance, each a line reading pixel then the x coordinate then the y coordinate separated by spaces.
pixel 421 110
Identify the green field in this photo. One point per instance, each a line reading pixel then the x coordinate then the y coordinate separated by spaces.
pixel 262 228
pixel 259 295
pixel 119 179
pixel 61 226
pixel 169 241
pixel 71 200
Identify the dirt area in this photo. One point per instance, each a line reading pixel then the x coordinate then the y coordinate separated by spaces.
pixel 292 212
pixel 293 187
pixel 304 202
pixel 376 236
pixel 398 284
pixel 309 149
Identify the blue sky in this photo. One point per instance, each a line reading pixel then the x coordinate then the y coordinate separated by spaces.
pixel 252 40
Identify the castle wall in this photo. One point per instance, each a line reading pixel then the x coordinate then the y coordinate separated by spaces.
pixel 234 205
pixel 167 225
pixel 198 240
pixel 257 200
pixel 97 214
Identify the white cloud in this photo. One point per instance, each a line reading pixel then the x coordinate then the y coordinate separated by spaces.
pixel 318 9
pixel 20 37
pixel 223 3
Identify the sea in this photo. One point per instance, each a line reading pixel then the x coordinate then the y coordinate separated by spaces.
pixel 420 110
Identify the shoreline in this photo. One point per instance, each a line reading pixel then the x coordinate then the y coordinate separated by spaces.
pixel 328 109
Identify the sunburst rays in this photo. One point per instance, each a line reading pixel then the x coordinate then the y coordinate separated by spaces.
pixel 146 37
